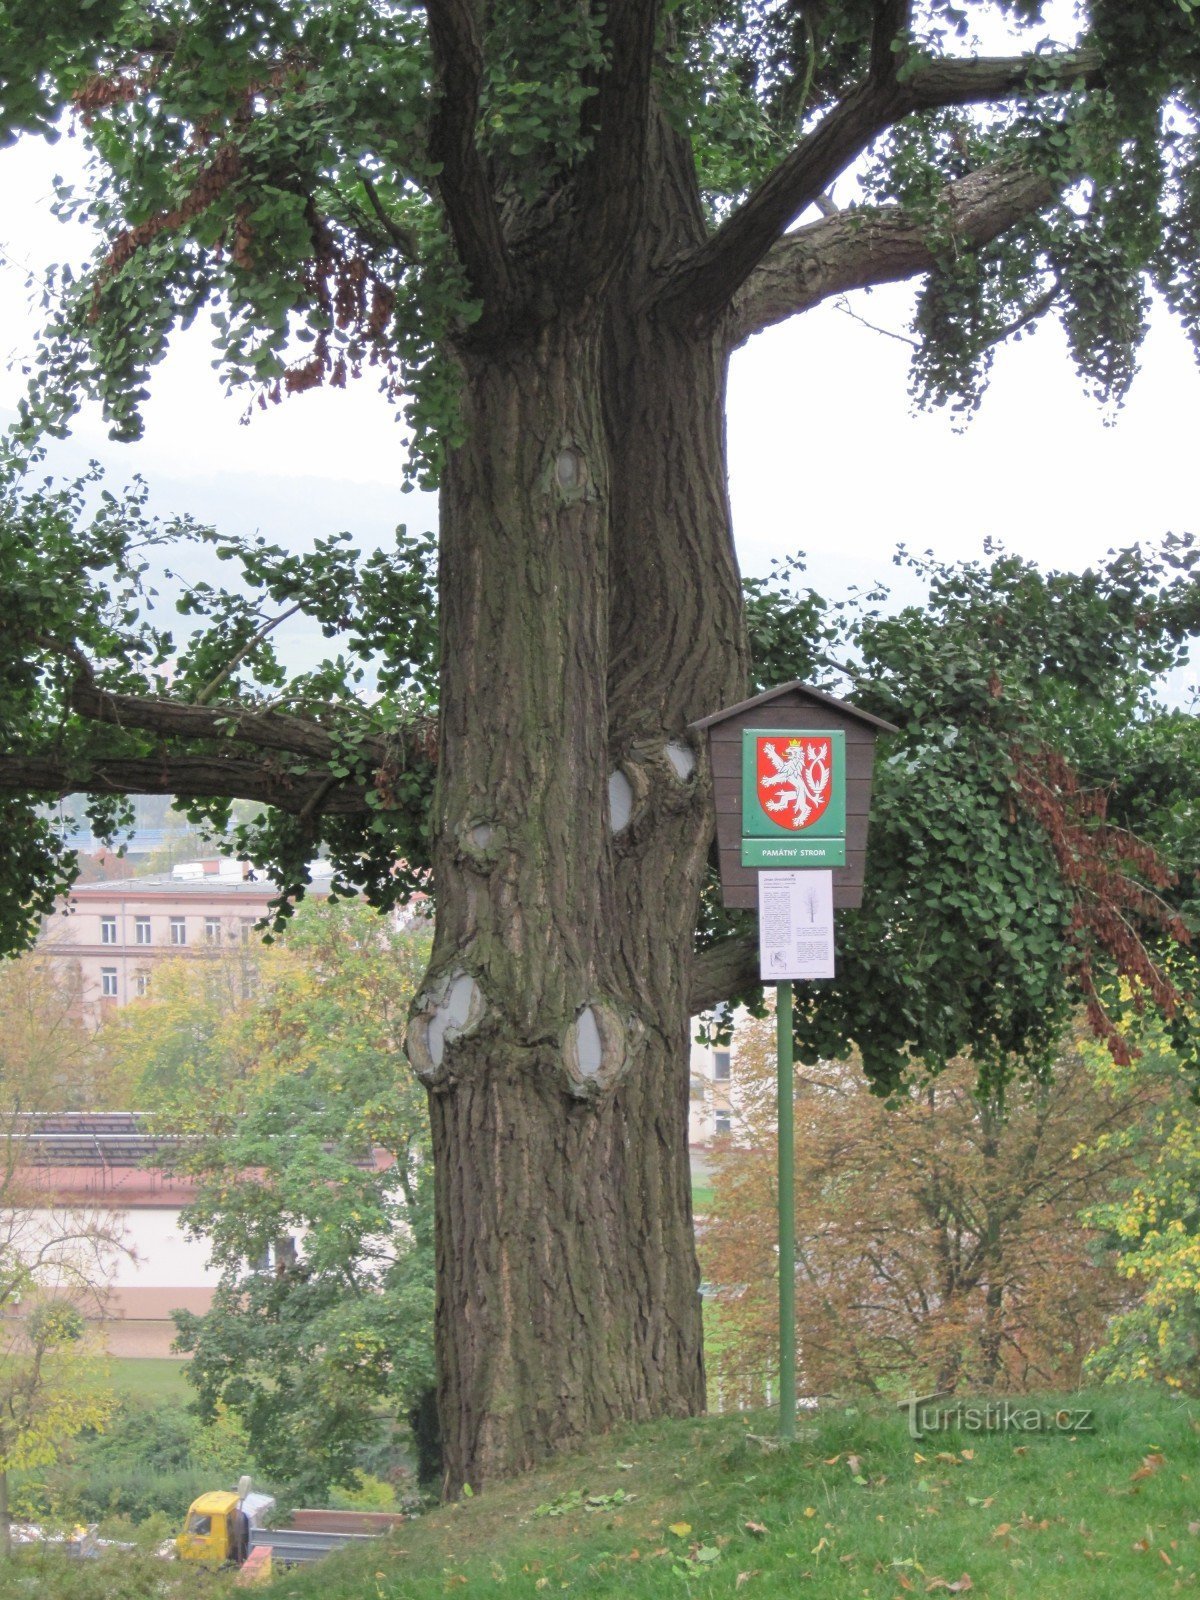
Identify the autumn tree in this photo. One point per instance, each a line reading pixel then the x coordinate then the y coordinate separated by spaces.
pixel 546 227
pixel 57 1258
pixel 1151 1221
pixel 940 1236
pixel 281 1069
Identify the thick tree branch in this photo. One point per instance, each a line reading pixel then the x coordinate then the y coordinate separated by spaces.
pixel 722 970
pixel 612 179
pixel 859 249
pixel 704 285
pixel 466 194
pixel 270 730
pixel 189 777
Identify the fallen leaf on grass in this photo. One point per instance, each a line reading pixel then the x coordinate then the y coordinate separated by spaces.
pixel 855 1465
pixel 1150 1465
pixel 755 1527
pixel 810 1511
pixel 1002 1530
pixel 967 1455
pixel 1194 1527
pixel 1163 1556
pixel 962 1586
pixel 744 1577
pixel 680 1529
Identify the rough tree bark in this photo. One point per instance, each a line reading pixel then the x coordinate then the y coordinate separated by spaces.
pixel 590 605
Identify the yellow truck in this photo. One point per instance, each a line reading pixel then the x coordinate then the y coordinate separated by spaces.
pixel 227 1526
pixel 218 1525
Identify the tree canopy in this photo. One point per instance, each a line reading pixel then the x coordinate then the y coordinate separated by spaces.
pixel 366 183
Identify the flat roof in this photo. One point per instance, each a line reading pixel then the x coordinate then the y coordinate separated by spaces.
pixel 163 883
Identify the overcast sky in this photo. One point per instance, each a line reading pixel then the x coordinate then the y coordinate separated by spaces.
pixel 826 456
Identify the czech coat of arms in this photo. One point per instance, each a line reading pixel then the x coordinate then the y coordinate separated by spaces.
pixel 795 779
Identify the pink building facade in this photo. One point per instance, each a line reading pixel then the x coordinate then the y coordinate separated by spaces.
pixel 108 937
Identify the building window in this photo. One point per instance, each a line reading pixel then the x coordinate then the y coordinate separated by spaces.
pixel 108 982
pixel 249 983
pixel 141 984
pixel 212 930
pixel 276 1256
pixel 721 1122
pixel 247 929
pixel 720 1066
pixel 108 930
pixel 178 930
pixel 141 930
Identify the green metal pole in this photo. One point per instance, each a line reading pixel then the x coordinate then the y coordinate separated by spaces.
pixel 787 1218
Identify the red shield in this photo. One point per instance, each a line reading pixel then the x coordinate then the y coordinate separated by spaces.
pixel 795 778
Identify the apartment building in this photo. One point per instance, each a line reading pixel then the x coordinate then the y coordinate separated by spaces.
pixel 110 935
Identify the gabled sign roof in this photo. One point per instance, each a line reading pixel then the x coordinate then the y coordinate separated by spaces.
pixel 842 707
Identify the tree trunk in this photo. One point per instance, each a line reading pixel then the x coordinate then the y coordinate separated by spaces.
pixel 589 587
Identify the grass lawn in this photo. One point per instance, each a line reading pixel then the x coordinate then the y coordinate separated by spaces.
pixel 856 1509
pixel 702 1198
pixel 149 1379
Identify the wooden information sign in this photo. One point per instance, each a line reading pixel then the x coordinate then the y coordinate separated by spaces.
pixel 792 782
pixel 825 787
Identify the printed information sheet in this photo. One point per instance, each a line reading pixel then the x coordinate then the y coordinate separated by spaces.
pixel 795 925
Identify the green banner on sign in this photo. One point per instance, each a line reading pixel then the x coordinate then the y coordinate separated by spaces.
pixel 784 853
